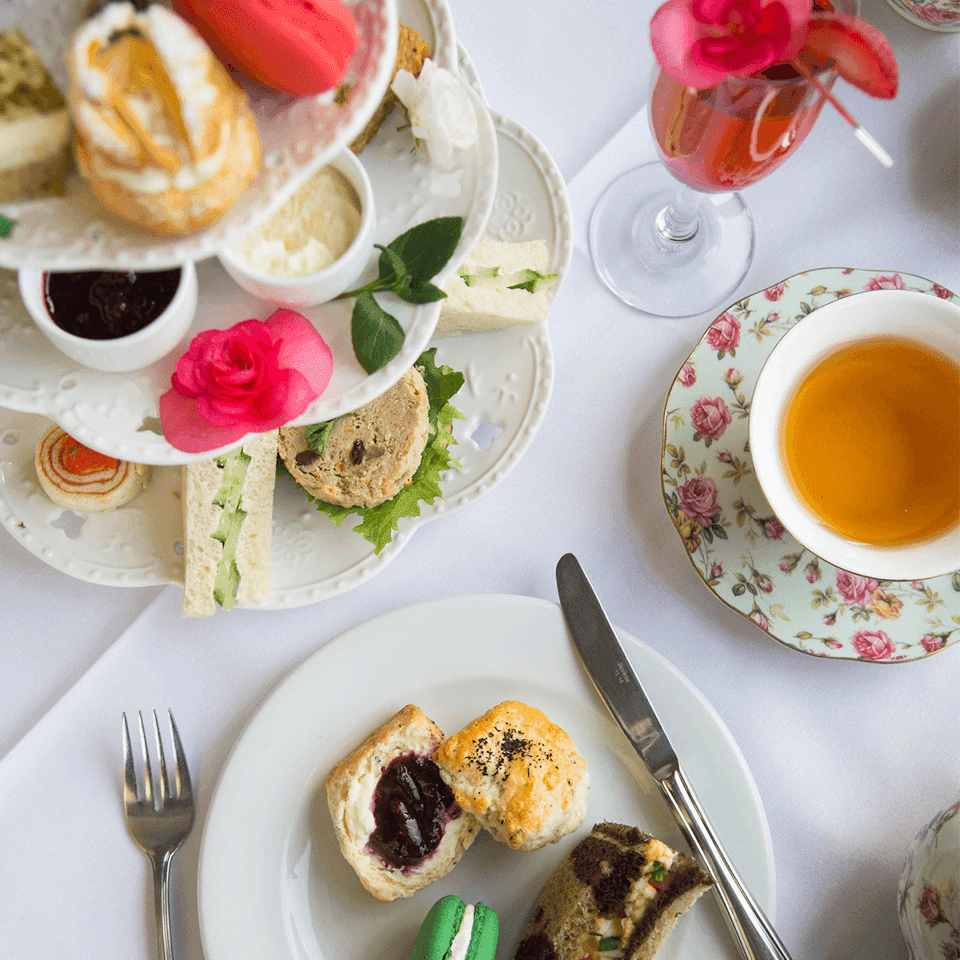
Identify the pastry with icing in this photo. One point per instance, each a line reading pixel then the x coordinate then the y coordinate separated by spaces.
pixel 165 137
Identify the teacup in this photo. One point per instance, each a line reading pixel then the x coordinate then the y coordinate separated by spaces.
pixel 861 469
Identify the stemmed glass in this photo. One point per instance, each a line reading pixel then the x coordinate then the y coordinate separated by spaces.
pixel 672 238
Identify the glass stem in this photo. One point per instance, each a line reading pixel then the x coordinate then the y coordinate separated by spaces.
pixel 680 221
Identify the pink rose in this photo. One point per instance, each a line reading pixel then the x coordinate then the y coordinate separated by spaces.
pixel 698 500
pixel 881 282
pixel 254 377
pixel 701 42
pixel 942 292
pixel 872 644
pixel 716 570
pixel 772 528
pixel 724 333
pixel 775 292
pixel 930 905
pixel 931 644
pixel 733 377
pixel 710 417
pixel 855 590
pixel 812 571
pixel 688 376
pixel 935 14
pixel 765 583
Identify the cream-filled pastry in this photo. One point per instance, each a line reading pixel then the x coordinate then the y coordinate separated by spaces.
pixel 165 137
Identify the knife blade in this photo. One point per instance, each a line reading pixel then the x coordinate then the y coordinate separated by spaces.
pixel 617 683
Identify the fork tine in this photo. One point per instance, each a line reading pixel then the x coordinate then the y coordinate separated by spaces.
pixel 129 773
pixel 182 773
pixel 147 772
pixel 164 783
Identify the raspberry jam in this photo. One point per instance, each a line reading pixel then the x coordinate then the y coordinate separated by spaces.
pixel 411 807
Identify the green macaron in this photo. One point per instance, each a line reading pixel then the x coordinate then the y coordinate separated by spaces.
pixel 452 930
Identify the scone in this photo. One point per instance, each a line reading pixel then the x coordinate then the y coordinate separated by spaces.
pixel 165 137
pixel 77 478
pixel 368 456
pixel 519 774
pixel 618 893
pixel 412 50
pixel 397 823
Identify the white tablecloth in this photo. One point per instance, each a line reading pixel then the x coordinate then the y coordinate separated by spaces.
pixel 850 759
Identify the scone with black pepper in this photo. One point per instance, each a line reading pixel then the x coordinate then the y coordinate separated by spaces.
pixel 519 774
pixel 367 457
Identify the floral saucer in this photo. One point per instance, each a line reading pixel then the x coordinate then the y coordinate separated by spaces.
pixel 736 544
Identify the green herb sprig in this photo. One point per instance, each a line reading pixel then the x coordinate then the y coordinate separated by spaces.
pixel 6 226
pixel 406 268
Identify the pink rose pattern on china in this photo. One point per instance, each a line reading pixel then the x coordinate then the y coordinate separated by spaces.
pixel 710 417
pixel 741 550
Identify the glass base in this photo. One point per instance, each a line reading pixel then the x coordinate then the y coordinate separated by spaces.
pixel 663 277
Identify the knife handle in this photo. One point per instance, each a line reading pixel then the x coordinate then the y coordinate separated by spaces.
pixel 750 927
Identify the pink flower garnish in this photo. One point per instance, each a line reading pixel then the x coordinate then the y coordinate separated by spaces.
pixel 254 377
pixel 702 42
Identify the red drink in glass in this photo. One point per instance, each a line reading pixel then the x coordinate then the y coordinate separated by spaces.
pixel 729 136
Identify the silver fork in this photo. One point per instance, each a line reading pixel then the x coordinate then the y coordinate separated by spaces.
pixel 158 827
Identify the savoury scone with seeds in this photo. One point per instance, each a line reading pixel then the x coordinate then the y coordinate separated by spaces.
pixel 368 456
pixel 618 893
pixel 519 774
pixel 397 823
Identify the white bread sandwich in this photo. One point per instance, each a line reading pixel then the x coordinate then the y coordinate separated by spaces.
pixel 397 823
pixel 618 894
pixel 34 124
pixel 498 285
pixel 165 137
pixel 228 527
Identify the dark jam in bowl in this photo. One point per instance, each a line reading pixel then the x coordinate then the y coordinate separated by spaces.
pixel 411 807
pixel 107 304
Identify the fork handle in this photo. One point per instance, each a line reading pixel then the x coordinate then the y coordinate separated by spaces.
pixel 161 897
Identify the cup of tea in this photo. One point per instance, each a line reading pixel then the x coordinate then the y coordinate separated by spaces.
pixel 855 434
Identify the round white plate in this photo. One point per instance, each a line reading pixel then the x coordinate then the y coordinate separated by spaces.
pixel 509 377
pixel 297 136
pixel 272 882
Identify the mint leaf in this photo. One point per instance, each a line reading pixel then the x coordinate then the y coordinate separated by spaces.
pixel 6 226
pixel 377 336
pixel 420 292
pixel 426 248
pixel 393 270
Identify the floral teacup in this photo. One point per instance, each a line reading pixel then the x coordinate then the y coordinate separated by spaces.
pixel 942 15
pixel 929 894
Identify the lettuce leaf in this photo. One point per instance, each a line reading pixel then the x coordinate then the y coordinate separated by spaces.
pixel 379 523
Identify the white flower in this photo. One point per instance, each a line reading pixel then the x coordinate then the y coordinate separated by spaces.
pixel 441 113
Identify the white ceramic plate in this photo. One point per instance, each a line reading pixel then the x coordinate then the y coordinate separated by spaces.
pixel 509 377
pixel 272 882
pixel 297 136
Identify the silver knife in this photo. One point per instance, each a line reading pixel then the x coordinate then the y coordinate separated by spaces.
pixel 617 683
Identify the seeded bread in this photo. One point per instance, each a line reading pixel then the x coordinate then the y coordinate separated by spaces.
pixel 412 50
pixel 368 456
pixel 609 886
pixel 351 786
pixel 518 773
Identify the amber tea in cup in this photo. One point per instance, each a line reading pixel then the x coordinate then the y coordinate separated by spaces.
pixel 855 433
pixel 871 441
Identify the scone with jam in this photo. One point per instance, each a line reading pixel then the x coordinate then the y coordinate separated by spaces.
pixel 519 774
pixel 397 822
